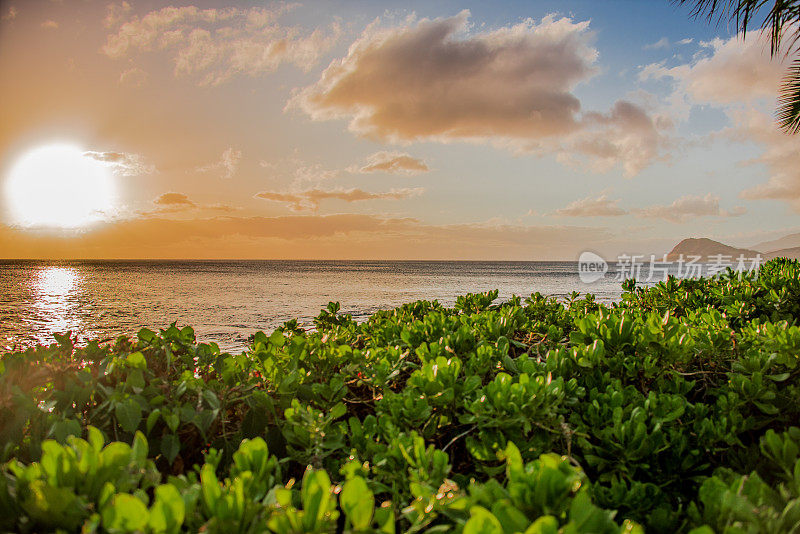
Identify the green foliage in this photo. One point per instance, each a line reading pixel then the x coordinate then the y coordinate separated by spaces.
pixel 674 409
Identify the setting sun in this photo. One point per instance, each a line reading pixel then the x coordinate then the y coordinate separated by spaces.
pixel 59 186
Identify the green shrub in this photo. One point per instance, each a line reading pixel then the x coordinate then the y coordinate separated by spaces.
pixel 674 409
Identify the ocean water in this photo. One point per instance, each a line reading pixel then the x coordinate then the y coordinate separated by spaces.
pixel 227 301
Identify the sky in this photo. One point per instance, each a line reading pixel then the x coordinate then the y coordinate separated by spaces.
pixel 527 130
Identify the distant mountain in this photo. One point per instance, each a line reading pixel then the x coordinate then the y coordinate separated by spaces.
pixel 785 242
pixel 791 253
pixel 706 248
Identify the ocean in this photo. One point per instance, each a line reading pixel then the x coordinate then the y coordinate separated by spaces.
pixel 228 301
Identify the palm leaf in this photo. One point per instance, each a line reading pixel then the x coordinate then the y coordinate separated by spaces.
pixel 782 20
pixel 788 113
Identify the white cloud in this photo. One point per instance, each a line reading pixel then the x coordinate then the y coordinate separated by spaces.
pixel 738 77
pixel 661 43
pixel 664 43
pixel 730 71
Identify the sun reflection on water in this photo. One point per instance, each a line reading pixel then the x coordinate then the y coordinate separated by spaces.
pixel 56 281
pixel 55 298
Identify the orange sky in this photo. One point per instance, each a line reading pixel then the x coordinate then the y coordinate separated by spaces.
pixel 419 131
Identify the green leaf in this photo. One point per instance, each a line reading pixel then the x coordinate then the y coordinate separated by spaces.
pixel 168 510
pixel 509 516
pixel 170 447
pixel 338 411
pixel 128 415
pixel 136 361
pixel 173 421
pixel 482 521
pixel 146 335
pixel 316 497
pixel 152 419
pixel 126 513
pixel 358 503
pixel 544 525
pixel 209 486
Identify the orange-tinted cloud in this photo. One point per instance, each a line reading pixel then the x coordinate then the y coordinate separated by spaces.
pixel 311 198
pixel 434 80
pixel 172 203
pixel 134 77
pixel 601 206
pixel 11 14
pixel 626 135
pixel 122 163
pixel 689 207
pixel 174 199
pixel 391 162
pixel 227 165
pixel 213 45
pixel 427 80
pixel 781 156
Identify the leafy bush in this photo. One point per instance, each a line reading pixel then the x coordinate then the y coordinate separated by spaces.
pixel 674 410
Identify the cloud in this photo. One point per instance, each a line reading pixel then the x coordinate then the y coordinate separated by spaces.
pixel 661 43
pixel 664 42
pixel 735 70
pixel 311 198
pixel 134 77
pixel 213 45
pixel 11 14
pixel 601 206
pixel 392 163
pixel 434 80
pixel 626 135
pixel 781 156
pixel 227 165
pixel 738 77
pixel 174 199
pixel 50 25
pixel 430 81
pixel 689 207
pixel 173 202
pixel 116 14
pixel 123 164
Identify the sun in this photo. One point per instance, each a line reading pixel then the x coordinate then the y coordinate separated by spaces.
pixel 58 186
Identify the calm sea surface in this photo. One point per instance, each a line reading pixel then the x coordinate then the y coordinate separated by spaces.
pixel 227 301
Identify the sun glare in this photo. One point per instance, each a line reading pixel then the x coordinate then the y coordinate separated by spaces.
pixel 57 186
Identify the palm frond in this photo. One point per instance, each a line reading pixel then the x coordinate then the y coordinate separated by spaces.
pixel 780 16
pixel 788 113
pixel 782 21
